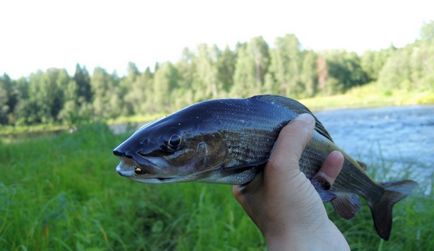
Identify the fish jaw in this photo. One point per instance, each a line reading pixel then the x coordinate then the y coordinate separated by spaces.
pixel 124 171
pixel 127 167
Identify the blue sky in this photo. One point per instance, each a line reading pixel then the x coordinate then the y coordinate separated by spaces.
pixel 49 33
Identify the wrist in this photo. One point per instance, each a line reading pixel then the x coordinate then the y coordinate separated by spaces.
pixel 323 237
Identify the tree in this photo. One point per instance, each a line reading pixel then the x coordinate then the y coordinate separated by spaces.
pixel 165 81
pixel 226 69
pixel 5 98
pixel 251 68
pixel 70 112
pixel 427 31
pixel 244 76
pixel 106 101
pixel 206 83
pixel 411 67
pixel 309 75
pixel 186 70
pixel 259 52
pixel 344 71
pixel 285 66
pixel 22 113
pixel 139 92
pixel 373 61
pixel 127 84
pixel 46 93
pixel 82 79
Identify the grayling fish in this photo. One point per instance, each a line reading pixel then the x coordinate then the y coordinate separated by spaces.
pixel 230 140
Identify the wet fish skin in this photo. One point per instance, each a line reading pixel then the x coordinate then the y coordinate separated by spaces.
pixel 230 140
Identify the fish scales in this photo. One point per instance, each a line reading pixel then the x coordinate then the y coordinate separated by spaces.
pixel 251 149
pixel 310 162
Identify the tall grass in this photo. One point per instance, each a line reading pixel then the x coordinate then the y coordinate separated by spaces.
pixel 62 193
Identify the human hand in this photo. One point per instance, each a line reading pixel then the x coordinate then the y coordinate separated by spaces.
pixel 283 203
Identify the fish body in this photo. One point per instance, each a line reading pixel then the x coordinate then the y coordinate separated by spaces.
pixel 230 140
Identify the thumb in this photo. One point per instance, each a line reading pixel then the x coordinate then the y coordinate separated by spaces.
pixel 290 144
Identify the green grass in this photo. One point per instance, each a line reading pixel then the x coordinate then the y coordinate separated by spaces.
pixel 62 193
pixel 16 131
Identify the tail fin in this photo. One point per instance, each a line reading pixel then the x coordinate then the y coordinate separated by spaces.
pixel 382 209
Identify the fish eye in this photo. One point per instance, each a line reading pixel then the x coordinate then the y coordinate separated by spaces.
pixel 174 141
pixel 138 170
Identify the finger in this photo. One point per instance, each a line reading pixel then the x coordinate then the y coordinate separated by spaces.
pixel 331 167
pixel 291 142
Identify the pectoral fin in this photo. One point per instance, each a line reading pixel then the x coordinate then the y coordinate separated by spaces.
pixel 346 205
pixel 323 189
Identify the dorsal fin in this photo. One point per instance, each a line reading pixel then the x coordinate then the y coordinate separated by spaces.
pixel 295 106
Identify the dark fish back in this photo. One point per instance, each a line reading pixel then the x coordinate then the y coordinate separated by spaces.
pixel 295 107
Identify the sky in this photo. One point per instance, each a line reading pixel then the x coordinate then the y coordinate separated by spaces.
pixel 37 35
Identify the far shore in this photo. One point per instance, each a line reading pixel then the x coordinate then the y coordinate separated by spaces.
pixel 367 96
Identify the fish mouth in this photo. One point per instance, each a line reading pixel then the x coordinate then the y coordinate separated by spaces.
pixel 123 171
pixel 128 170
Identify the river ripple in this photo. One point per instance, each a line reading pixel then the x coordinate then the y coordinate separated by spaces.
pixel 399 137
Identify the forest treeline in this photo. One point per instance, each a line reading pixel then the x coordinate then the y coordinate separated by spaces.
pixel 254 67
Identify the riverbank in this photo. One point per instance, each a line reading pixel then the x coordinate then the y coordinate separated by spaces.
pixel 370 95
pixel 62 193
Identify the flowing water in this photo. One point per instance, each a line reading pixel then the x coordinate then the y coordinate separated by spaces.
pixel 401 138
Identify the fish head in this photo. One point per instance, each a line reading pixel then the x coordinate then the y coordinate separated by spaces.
pixel 174 149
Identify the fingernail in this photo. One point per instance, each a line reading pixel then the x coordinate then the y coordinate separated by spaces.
pixel 306 117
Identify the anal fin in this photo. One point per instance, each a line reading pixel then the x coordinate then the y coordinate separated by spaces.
pixel 346 205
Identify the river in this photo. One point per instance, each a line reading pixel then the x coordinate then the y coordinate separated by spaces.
pixel 400 138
